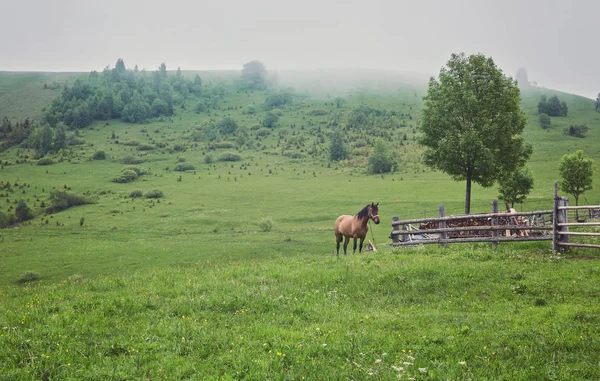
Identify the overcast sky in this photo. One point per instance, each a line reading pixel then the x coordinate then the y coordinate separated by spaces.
pixel 558 42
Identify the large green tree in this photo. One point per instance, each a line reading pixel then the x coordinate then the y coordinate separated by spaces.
pixel 472 123
pixel 576 172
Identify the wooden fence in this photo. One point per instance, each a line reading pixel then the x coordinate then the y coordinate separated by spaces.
pixel 495 227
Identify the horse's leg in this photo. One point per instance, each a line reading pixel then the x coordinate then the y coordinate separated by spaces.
pixel 361 243
pixel 346 244
pixel 355 245
pixel 338 240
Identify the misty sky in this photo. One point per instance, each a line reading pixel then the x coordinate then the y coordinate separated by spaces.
pixel 558 42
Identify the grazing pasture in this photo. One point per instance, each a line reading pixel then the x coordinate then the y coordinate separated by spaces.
pixel 226 270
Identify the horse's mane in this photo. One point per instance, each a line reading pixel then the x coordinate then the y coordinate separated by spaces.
pixel 363 213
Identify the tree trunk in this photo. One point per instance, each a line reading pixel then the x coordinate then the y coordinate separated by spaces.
pixel 468 192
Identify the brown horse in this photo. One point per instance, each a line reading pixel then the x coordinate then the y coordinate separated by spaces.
pixel 355 226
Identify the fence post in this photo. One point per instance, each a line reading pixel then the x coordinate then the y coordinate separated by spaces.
pixel 494 222
pixel 443 235
pixel 395 237
pixel 558 217
pixel 555 219
pixel 563 217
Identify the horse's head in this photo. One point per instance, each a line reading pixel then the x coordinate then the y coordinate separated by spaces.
pixel 374 212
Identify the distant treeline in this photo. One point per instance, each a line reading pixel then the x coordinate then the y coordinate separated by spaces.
pixel 14 133
pixel 128 94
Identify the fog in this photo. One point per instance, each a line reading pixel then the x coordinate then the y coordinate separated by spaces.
pixel 556 41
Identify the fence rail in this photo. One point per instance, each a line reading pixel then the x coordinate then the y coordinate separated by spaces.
pixel 540 225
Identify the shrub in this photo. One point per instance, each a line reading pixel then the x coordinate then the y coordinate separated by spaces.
pixel 45 161
pixel 62 200
pixel 178 148
pixel 6 220
pixel 131 143
pixel 318 112
pixel 182 167
pixel 29 276
pixel 576 130
pixel 200 107
pixel 136 193
pixel 229 156
pixel 263 131
pixel 99 155
pixel 381 160
pixel 126 175
pixel 181 159
pixel 221 145
pixel 155 193
pixel 145 147
pixel 138 170
pixel 132 160
pixel 23 212
pixel 208 159
pixel 545 121
pixel 265 224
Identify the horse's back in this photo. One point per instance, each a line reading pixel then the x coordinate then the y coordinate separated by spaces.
pixel 343 224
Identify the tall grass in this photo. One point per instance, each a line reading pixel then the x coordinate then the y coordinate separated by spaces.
pixel 462 312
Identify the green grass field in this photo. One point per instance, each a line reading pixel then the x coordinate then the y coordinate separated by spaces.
pixel 190 286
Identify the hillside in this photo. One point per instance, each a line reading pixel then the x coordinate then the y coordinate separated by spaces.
pixel 282 174
pixel 199 244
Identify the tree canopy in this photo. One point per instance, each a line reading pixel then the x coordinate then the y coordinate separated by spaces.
pixel 552 106
pixel 254 74
pixel 132 95
pixel 515 186
pixel 472 123
pixel 576 172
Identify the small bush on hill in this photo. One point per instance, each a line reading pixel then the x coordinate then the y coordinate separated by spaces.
pixel 126 175
pixel 545 121
pixel 132 143
pixel 138 170
pixel 62 200
pixel 265 224
pixel 23 212
pixel 6 220
pixel 136 193
pixel 129 174
pixel 182 167
pixel 29 276
pixel 578 131
pixel 181 159
pixel 99 155
pixel 75 141
pixel 382 159
pixel 132 160
pixel 318 112
pixel 263 131
pixel 208 159
pixel 229 156
pixel 155 193
pixel 200 107
pixel 221 145
pixel 145 147
pixel 45 161
pixel 178 148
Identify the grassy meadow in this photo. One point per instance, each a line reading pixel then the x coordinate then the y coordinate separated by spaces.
pixel 230 275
